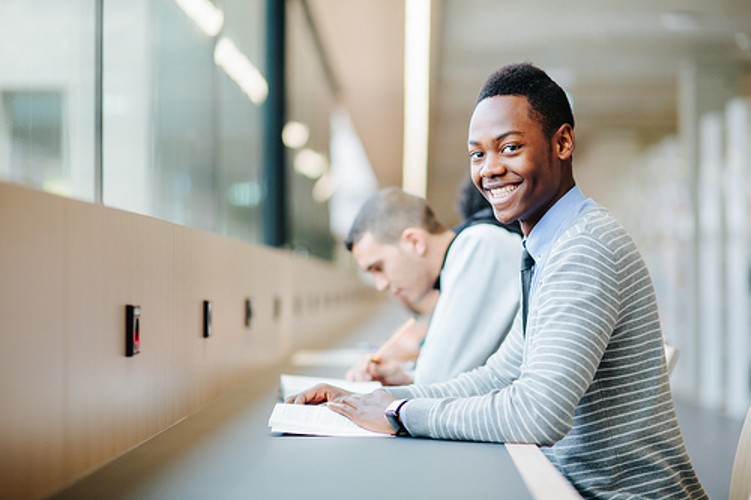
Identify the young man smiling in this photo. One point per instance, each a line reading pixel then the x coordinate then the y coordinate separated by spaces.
pixel 586 378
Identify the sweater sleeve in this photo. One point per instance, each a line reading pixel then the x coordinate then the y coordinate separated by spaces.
pixel 572 316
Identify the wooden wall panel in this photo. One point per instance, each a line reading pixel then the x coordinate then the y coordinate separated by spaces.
pixel 32 341
pixel 72 400
pixel 116 259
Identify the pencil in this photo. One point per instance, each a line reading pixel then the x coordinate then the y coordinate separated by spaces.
pixel 376 358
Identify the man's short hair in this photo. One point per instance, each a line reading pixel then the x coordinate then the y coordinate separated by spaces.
pixel 390 211
pixel 548 102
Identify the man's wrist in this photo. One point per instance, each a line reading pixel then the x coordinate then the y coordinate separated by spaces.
pixel 392 414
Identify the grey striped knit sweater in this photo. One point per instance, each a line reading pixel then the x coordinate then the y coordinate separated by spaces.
pixel 588 382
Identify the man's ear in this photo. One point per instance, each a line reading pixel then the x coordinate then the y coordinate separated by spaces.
pixel 563 142
pixel 415 240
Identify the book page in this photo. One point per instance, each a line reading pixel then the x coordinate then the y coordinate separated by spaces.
pixel 314 420
pixel 295 384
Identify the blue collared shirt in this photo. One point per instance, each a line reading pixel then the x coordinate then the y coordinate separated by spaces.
pixel 549 227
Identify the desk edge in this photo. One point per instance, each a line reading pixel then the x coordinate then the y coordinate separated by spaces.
pixel 544 481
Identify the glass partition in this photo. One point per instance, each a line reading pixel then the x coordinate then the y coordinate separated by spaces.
pixel 182 136
pixel 310 102
pixel 182 96
pixel 47 56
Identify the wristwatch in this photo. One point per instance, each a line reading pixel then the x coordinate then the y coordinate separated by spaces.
pixel 392 415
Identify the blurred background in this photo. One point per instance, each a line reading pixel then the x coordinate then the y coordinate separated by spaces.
pixel 270 121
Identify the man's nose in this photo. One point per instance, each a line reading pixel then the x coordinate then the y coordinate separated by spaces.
pixel 492 166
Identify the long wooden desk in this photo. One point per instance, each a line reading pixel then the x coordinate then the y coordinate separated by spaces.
pixel 227 451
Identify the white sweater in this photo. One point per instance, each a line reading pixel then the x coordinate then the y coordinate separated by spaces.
pixel 477 304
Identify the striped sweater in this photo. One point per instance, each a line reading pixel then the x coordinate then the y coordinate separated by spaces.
pixel 587 382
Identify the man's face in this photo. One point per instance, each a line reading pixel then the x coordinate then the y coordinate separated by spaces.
pixel 513 164
pixel 397 268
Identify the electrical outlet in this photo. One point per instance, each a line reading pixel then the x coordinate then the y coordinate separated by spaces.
pixel 277 312
pixel 132 330
pixel 206 318
pixel 248 313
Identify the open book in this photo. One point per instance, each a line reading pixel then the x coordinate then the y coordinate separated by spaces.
pixel 314 420
pixel 294 384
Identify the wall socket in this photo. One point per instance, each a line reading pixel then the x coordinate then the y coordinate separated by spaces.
pixel 248 313
pixel 132 330
pixel 207 318
pixel 277 311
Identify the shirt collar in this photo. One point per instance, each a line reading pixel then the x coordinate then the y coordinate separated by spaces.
pixel 555 220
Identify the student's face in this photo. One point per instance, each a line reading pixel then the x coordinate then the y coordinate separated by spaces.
pixel 400 268
pixel 515 166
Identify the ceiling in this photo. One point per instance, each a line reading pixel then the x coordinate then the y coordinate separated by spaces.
pixel 619 60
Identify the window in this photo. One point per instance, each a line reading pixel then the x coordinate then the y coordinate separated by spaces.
pixel 46 109
pixel 182 138
pixel 181 106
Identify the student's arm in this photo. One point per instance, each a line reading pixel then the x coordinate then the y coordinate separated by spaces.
pixel 366 410
pixel 573 314
pixel 501 370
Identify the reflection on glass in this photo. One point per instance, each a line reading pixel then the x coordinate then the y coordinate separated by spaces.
pixel 311 97
pixel 34 122
pixel 182 87
pixel 181 139
pixel 46 84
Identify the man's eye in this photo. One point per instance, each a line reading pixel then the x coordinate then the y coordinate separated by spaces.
pixel 510 148
pixel 475 155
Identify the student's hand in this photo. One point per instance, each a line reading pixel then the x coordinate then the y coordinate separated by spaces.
pixel 401 347
pixel 359 370
pixel 317 394
pixel 389 372
pixel 366 410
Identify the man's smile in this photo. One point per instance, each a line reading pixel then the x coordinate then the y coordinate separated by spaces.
pixel 498 193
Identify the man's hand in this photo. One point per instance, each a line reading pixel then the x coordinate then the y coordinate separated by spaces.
pixel 390 372
pixel 387 371
pixel 387 365
pixel 359 370
pixel 366 410
pixel 318 394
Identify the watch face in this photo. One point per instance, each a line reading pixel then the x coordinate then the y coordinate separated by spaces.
pixel 395 424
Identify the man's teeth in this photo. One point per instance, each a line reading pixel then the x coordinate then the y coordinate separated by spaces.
pixel 503 191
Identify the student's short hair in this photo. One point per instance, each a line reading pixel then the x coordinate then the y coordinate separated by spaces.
pixel 390 211
pixel 547 100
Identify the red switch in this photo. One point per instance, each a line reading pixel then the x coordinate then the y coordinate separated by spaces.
pixel 132 330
